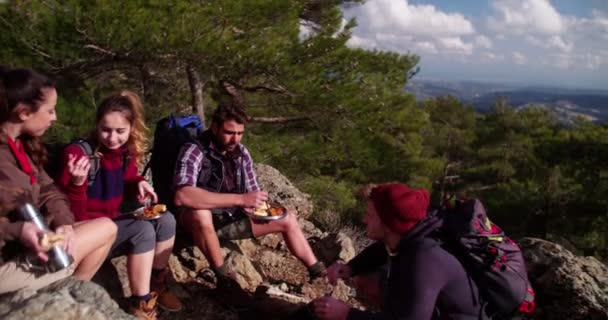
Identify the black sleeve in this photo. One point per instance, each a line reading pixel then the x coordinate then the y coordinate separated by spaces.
pixel 370 259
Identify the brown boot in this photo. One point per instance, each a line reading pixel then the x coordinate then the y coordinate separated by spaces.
pixel 145 310
pixel 166 300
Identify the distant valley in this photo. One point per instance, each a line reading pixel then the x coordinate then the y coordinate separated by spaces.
pixel 565 103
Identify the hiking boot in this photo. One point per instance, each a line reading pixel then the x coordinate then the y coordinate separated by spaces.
pixel 317 271
pixel 166 300
pixel 145 310
pixel 227 283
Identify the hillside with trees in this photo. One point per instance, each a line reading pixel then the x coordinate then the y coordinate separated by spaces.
pixel 330 117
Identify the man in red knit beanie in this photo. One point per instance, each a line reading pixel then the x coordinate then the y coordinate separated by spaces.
pixel 406 274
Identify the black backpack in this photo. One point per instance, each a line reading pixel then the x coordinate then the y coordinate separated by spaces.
pixel 54 164
pixel 493 260
pixel 171 133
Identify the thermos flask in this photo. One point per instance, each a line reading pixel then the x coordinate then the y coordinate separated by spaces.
pixel 58 257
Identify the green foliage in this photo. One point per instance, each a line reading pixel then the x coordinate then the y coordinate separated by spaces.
pixel 341 117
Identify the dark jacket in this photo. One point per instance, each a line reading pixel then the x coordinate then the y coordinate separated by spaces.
pixel 15 188
pixel 213 170
pixel 424 280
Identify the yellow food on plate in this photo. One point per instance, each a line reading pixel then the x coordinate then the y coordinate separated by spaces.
pixel 262 211
pixel 49 240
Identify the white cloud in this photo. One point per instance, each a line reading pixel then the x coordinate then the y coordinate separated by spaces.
pixel 519 58
pixel 517 32
pixel 403 27
pixel 425 46
pixel 526 16
pixel 489 57
pixel 551 42
pixel 558 43
pixel 456 45
pixel 483 42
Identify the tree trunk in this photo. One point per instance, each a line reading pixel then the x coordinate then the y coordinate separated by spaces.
pixel 146 83
pixel 196 91
pixel 235 95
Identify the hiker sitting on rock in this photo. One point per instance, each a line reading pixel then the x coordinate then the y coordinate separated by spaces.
pixel 120 142
pixel 406 274
pixel 27 110
pixel 215 183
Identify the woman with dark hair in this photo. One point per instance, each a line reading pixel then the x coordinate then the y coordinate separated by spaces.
pixel 27 110
pixel 120 141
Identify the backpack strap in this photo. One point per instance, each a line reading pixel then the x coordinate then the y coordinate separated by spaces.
pixel 126 158
pixel 86 147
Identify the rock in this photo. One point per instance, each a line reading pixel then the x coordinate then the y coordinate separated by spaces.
pixel 248 247
pixel 342 291
pixel 335 246
pixel 272 240
pixel 270 258
pixel 567 286
pixel 281 190
pixel 66 299
pixel 246 274
pixel 284 287
pixel 192 258
pixel 309 229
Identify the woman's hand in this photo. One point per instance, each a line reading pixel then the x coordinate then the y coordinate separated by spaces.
pixel 30 236
pixel 146 191
pixel 338 271
pixel 78 169
pixel 70 238
pixel 328 308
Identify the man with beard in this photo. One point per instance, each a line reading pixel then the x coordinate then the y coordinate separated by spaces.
pixel 215 184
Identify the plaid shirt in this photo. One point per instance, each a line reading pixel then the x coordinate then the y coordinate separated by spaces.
pixel 189 162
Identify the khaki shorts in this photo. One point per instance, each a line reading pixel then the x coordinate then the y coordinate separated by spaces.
pixel 15 275
pixel 229 223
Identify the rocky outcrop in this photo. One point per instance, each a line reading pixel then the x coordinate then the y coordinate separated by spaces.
pixel 567 286
pixel 67 299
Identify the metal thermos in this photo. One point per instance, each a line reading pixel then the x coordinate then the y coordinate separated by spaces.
pixel 58 258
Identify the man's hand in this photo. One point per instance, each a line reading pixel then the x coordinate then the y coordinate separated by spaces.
pixel 328 308
pixel 338 271
pixel 30 237
pixel 254 199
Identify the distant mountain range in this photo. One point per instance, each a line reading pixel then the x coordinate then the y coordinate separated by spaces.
pixel 565 103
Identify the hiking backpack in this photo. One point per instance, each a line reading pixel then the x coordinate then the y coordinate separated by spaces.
pixel 493 260
pixel 169 136
pixel 54 164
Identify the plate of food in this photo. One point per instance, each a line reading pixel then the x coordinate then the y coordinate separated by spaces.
pixel 146 213
pixel 269 211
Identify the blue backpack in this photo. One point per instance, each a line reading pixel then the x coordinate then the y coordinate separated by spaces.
pixel 171 133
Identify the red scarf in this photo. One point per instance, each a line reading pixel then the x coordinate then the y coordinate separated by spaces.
pixel 21 156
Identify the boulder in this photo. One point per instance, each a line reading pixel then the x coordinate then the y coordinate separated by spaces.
pixel 335 246
pixel 66 299
pixel 246 274
pixel 566 286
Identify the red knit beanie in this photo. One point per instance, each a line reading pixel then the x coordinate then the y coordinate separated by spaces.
pixel 400 207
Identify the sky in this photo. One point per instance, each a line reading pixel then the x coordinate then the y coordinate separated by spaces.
pixel 561 43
